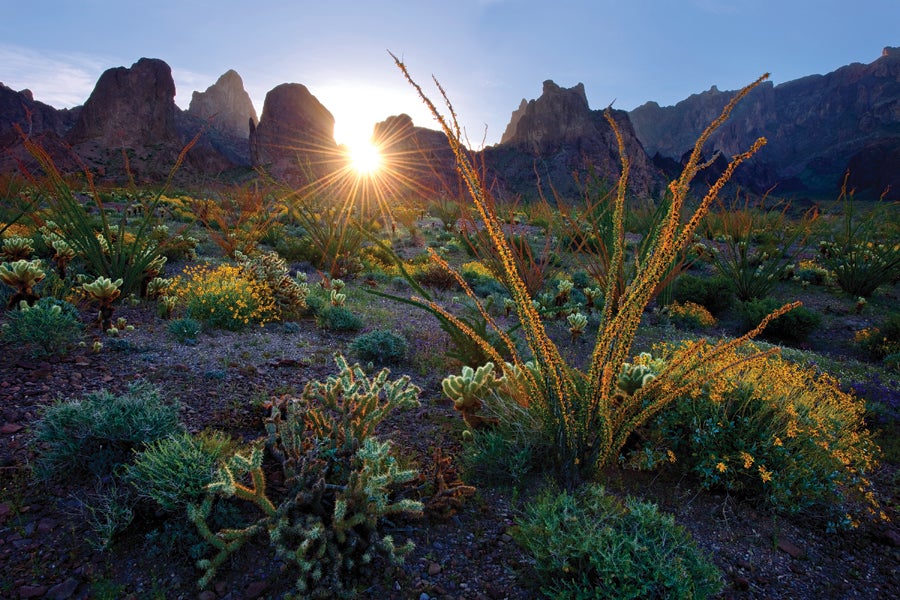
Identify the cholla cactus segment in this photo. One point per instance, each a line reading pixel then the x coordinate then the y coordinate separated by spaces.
pixel 577 322
pixel 634 376
pixel 166 306
pixel 467 389
pixel 337 284
pixel 337 299
pixel 158 287
pixel 62 250
pixel 104 289
pixel 17 248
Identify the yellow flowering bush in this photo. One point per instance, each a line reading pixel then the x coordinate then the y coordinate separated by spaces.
pixel 15 230
pixel 774 430
pixel 224 296
pixel 690 315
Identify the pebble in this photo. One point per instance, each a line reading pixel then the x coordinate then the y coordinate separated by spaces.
pixel 64 590
pixel 434 569
pixel 790 548
pixel 207 595
pixel 9 428
pixel 32 591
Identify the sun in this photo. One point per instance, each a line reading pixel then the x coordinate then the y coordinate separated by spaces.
pixel 365 157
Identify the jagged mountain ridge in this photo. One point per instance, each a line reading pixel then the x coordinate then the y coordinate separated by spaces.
pixel 817 128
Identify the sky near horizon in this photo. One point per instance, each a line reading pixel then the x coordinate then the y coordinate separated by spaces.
pixel 487 54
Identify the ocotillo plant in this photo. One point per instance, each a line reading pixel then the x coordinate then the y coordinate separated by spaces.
pixel 583 410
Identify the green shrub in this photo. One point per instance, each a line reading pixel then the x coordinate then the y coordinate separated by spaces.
pixel 592 545
pixel 380 347
pixel 793 326
pixel 174 471
pixel 713 293
pixel 49 327
pixel 338 318
pixel 777 432
pixel 100 432
pixel 185 331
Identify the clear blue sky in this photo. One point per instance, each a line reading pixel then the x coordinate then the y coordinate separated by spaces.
pixel 488 54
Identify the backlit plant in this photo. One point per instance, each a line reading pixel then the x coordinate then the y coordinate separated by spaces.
pixel 17 248
pixel 224 297
pixel 49 327
pixel 775 431
pixel 689 315
pixel 337 478
pixel 583 410
pixel 105 292
pixel 22 276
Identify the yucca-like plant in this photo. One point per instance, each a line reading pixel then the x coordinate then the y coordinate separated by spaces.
pixel 104 291
pixel 108 252
pixel 583 411
pixel 22 275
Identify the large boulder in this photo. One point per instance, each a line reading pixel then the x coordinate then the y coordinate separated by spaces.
pixel 294 140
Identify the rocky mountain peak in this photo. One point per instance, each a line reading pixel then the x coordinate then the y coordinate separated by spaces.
pixel 227 105
pixel 129 107
pixel 293 124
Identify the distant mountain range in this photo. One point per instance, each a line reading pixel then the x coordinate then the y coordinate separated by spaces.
pixel 818 128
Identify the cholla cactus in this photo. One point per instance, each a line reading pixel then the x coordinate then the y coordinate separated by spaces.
pixel 592 295
pixel 17 248
pixel 508 305
pixel 158 287
pixel 62 256
pixel 563 292
pixel 642 371
pixel 165 306
pixel 337 284
pixel 105 291
pixel 577 322
pixel 337 299
pixel 468 389
pixel 22 275
pixel 151 271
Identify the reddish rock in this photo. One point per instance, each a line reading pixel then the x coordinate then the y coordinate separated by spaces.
pixel 32 591
pixel 790 548
pixel 64 590
pixel 9 428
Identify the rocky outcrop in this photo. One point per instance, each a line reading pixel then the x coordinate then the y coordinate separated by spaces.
pixel 226 105
pixel 418 161
pixel 129 108
pixel 510 130
pixel 294 140
pixel 817 128
pixel 21 114
pixel 551 139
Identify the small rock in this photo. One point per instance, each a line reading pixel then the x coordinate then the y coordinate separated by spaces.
pixel 9 428
pixel 741 583
pixel 744 564
pixel 790 549
pixel 207 595
pixel 32 591
pixel 889 536
pixel 424 596
pixel 64 590
pixel 434 569
pixel 256 589
pixel 46 525
pixel 796 568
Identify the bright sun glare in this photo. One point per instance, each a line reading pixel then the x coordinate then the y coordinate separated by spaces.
pixel 365 157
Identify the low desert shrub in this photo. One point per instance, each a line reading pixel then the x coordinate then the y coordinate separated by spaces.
pixel 224 297
pixel 380 347
pixel 881 342
pixel 590 544
pixel 794 326
pixel 714 293
pixel 50 327
pixel 270 270
pixel 100 432
pixel 174 471
pixel 338 318
pixel 689 316
pixel 185 331
pixel 774 431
